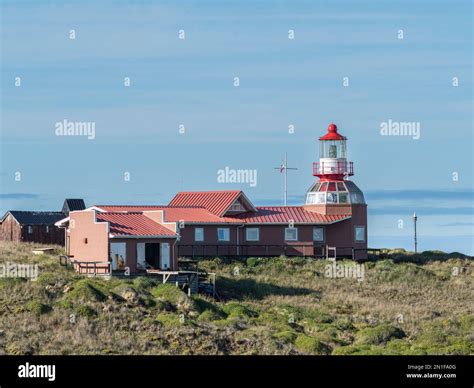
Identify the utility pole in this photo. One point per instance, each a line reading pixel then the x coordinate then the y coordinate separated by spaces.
pixel 284 169
pixel 415 218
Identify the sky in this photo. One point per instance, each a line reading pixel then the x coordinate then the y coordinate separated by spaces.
pixel 169 113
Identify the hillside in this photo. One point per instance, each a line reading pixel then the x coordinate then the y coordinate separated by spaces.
pixel 269 306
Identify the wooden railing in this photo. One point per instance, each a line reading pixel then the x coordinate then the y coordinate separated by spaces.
pixel 92 267
pixel 247 250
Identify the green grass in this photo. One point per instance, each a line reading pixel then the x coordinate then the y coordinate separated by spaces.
pixel 406 304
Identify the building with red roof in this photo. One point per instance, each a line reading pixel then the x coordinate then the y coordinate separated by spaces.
pixel 226 223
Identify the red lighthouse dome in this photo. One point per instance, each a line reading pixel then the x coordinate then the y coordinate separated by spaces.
pixel 332 134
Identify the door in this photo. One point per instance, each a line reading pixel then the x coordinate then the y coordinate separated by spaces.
pixel 165 255
pixel 141 263
pixel 152 255
pixel 117 255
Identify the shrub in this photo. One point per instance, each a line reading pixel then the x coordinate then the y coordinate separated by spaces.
pixel 172 294
pixel 210 315
pixel 344 324
pixel 311 345
pixel 287 336
pixel 84 291
pixel 86 311
pixel 127 293
pixel 47 278
pixel 252 262
pixel 37 307
pixel 234 309
pixel 171 320
pixel 145 282
pixel 208 310
pixel 65 304
pixel 379 334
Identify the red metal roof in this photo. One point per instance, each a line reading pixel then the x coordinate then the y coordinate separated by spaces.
pixel 217 202
pixel 332 134
pixel 264 215
pixel 134 224
pixel 174 214
pixel 129 208
pixel 285 214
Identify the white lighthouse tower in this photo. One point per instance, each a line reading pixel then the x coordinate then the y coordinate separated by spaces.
pixel 333 171
pixel 333 194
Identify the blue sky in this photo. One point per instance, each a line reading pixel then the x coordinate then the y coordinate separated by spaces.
pixel 283 82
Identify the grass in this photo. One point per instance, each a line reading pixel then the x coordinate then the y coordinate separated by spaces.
pixel 406 304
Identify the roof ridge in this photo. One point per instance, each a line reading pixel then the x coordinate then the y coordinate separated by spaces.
pixel 130 205
pixel 35 211
pixel 211 191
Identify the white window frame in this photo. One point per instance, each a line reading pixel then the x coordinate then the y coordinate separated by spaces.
pixel 228 234
pixel 30 229
pixel 324 233
pixel 355 233
pixel 196 234
pixel 286 235
pixel 247 230
pixel 47 228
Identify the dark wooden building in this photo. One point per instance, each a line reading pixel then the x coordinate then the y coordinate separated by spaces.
pixel 37 226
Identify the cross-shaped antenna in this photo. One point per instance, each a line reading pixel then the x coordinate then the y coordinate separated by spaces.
pixel 284 168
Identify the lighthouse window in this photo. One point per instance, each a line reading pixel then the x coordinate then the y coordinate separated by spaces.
pixel 341 187
pixel 356 198
pixel 311 198
pixel 332 198
pixel 343 198
pixel 332 186
pixel 291 234
pixel 324 187
pixel 333 151
pixel 321 198
pixel 360 233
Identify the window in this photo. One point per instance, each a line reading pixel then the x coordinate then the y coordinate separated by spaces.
pixel 331 197
pixel 360 233
pixel 237 207
pixel 252 234
pixel 30 229
pixel 291 234
pixel 356 198
pixel 223 234
pixel 318 233
pixel 343 198
pixel 321 198
pixel 198 234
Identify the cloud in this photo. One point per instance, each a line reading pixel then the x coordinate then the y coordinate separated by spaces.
pixel 19 196
pixel 421 211
pixel 451 224
pixel 461 194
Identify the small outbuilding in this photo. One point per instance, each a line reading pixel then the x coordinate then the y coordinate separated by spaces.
pixel 37 226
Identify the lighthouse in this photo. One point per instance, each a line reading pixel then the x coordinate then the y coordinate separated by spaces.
pixel 334 193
